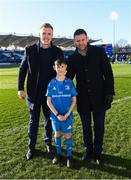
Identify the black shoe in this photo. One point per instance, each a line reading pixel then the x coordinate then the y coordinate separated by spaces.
pixel 86 155
pixel 49 149
pixel 29 155
pixel 69 162
pixel 56 159
pixel 98 159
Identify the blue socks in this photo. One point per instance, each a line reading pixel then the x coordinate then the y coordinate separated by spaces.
pixel 58 144
pixel 68 142
pixel 69 146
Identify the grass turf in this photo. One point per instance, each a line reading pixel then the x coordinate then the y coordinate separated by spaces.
pixel 13 136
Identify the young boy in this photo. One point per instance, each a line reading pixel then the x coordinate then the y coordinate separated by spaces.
pixel 61 99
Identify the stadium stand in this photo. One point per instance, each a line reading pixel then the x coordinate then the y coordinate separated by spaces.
pixel 22 41
pixel 16 42
pixel 10 56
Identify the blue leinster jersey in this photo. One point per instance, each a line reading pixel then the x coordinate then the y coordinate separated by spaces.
pixel 61 93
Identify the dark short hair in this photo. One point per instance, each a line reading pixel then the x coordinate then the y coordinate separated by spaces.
pixel 46 25
pixel 60 61
pixel 80 31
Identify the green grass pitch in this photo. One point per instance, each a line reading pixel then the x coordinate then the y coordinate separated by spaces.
pixel 14 139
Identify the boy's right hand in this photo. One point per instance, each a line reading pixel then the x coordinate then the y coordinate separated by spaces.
pixel 61 118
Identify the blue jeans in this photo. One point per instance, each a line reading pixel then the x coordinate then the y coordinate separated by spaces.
pixel 98 119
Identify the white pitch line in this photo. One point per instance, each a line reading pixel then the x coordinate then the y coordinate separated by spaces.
pixel 121 100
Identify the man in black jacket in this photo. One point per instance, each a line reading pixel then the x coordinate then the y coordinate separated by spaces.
pixel 95 87
pixel 38 63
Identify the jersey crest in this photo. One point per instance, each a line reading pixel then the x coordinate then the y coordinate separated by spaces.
pixel 67 87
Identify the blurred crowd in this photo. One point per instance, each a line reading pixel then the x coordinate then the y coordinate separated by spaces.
pixel 121 58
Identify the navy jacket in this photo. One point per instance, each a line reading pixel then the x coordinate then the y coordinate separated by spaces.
pixel 30 66
pixel 94 79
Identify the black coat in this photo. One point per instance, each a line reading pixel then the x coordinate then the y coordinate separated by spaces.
pixel 94 79
pixel 30 66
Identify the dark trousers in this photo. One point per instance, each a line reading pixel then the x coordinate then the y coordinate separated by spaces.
pixel 98 119
pixel 34 123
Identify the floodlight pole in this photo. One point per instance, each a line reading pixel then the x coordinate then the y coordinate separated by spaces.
pixel 114 33
pixel 114 17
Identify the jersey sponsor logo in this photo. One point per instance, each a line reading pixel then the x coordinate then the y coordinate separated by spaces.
pixel 61 95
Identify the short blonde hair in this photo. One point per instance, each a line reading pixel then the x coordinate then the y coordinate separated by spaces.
pixel 46 25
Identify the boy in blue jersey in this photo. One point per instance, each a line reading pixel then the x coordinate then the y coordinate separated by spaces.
pixel 61 99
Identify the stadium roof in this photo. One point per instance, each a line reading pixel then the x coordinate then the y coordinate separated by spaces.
pixel 23 40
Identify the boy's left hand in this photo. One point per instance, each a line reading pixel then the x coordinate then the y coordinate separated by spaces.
pixel 62 118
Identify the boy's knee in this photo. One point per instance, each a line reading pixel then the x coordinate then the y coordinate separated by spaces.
pixel 68 135
pixel 57 133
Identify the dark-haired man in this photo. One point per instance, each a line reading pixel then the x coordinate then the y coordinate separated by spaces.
pixel 95 87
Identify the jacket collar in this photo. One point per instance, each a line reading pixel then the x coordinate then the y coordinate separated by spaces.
pixel 78 52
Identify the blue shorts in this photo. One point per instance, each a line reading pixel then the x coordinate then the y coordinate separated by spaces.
pixel 63 126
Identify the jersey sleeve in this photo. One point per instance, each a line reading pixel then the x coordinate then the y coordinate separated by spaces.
pixel 73 89
pixel 49 91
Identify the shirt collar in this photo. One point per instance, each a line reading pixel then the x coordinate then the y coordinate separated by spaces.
pixel 82 53
pixel 41 46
